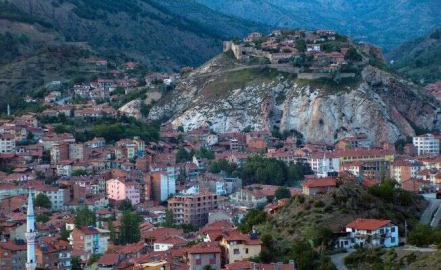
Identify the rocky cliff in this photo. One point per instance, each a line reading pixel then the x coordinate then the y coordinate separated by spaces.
pixel 230 97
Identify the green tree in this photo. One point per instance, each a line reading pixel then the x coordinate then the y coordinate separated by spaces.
pixel 183 155
pixel 353 55
pixel 125 205
pixel 41 200
pixel 318 235
pixel 76 263
pixel 421 236
pixel 84 217
pixel 65 235
pixel 80 172
pixel 205 153
pixel 111 228
pixel 301 45
pixel 129 229
pixel 43 217
pixel 168 222
pixel 252 218
pixel 282 193
pixel 259 170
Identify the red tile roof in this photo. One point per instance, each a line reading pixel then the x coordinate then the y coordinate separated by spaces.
pixel 321 182
pixel 368 224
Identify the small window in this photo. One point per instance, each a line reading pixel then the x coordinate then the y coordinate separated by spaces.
pixel 392 240
pixel 236 251
pixel 392 229
pixel 246 251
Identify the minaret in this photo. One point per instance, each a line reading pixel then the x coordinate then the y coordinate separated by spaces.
pixel 31 264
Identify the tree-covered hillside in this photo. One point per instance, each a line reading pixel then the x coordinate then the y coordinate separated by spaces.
pixel 387 23
pixel 420 59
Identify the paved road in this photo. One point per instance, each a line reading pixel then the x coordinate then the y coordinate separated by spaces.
pixel 339 260
pixel 432 214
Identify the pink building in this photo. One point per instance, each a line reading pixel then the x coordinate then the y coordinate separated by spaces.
pixel 120 190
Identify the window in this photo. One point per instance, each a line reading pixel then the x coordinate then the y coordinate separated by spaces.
pixel 392 240
pixel 197 256
pixel 236 251
pixel 392 229
pixel 211 256
pixel 246 251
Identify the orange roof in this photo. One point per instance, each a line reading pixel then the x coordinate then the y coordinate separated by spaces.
pixel 204 248
pixel 321 182
pixel 368 224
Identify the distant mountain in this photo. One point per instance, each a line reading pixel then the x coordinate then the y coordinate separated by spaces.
pixel 420 59
pixel 42 41
pixel 387 23
pixel 156 33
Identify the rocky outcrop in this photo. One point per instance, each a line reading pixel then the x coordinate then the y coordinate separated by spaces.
pixel 382 105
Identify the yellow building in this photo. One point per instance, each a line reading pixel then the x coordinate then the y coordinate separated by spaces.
pixel 238 246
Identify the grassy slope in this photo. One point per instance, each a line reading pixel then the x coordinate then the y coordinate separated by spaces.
pixel 349 202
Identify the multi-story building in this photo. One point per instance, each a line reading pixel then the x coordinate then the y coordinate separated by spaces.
pixel 89 239
pixel 13 255
pixel 370 233
pixel 119 190
pixel 77 151
pixel 238 246
pixel 53 253
pixel 402 171
pixel 163 185
pixel 201 255
pixel 59 152
pixel 427 144
pixel 193 209
pixel 7 143
pixel 56 195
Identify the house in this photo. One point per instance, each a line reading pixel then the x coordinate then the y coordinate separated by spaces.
pixel 248 265
pixel 52 252
pixel 319 185
pixel 167 243
pixel 254 195
pixel 313 47
pixel 13 255
pixel 370 233
pixel 201 255
pixel 238 246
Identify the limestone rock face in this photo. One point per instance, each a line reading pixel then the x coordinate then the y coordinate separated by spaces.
pixel 382 105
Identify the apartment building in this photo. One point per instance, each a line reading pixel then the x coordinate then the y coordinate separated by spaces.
pixel 119 190
pixel 89 239
pixel 7 143
pixel 193 209
pixel 162 186
pixel 427 144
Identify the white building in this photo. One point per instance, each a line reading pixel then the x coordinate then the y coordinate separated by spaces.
pixel 426 144
pixel 371 233
pixel 55 195
pixel 7 143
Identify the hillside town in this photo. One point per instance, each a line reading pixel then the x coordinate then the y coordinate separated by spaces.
pixel 85 183
pixel 318 52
